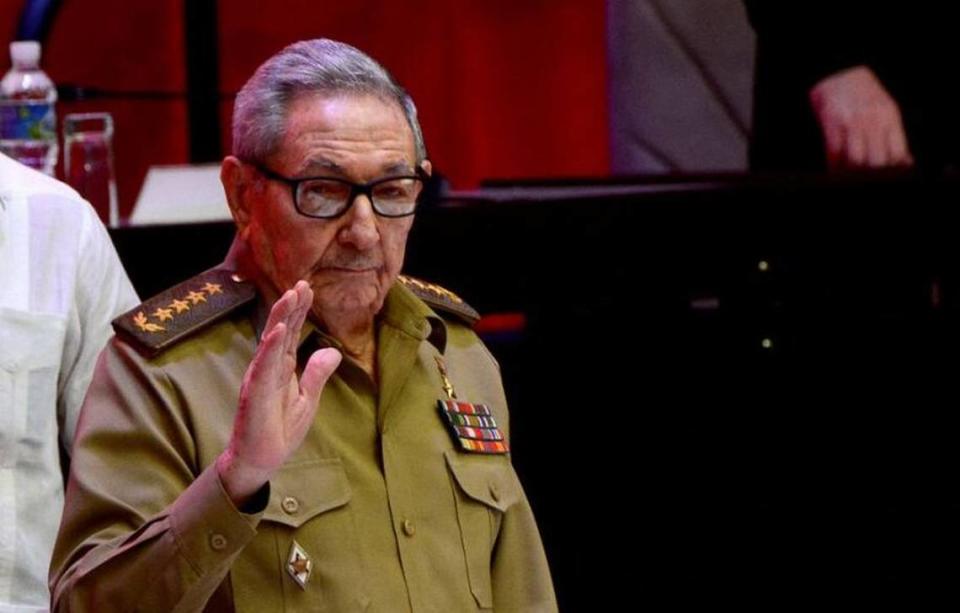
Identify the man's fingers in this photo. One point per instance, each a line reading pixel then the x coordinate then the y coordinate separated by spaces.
pixel 319 367
pixel 280 311
pixel 267 360
pixel 855 150
pixel 876 139
pixel 861 122
pixel 833 137
pixel 303 299
pixel 897 145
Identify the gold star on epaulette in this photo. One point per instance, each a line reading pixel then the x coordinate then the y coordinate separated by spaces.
pixel 180 305
pixel 441 299
pixel 163 314
pixel 184 309
pixel 140 321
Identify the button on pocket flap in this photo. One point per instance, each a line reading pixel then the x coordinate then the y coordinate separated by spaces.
pixel 301 491
pixel 486 479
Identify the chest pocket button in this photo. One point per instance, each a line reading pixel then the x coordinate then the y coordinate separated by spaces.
pixel 290 505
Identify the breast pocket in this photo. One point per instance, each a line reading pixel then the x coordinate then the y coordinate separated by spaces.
pixel 484 487
pixel 31 346
pixel 309 504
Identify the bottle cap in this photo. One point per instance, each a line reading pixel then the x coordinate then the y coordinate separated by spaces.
pixel 25 53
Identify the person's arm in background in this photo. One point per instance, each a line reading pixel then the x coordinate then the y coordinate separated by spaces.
pixel 101 292
pixel 829 50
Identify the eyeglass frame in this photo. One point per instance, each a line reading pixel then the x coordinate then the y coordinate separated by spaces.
pixel 356 189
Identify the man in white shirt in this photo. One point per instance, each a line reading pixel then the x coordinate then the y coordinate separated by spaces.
pixel 61 283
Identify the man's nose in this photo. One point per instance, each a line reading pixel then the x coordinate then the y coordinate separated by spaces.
pixel 360 227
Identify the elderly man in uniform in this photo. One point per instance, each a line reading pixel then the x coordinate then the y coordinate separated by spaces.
pixel 205 477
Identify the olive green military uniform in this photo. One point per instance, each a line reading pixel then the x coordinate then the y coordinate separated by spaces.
pixel 379 510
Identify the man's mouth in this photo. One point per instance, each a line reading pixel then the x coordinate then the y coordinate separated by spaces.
pixel 354 267
pixel 349 269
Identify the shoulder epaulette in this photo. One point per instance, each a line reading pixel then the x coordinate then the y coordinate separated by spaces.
pixel 168 317
pixel 441 298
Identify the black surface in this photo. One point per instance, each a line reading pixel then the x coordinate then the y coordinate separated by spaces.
pixel 671 459
pixel 203 79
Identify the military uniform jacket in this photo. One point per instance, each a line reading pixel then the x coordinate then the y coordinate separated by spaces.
pixel 379 505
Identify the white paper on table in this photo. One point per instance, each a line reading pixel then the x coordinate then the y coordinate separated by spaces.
pixel 181 194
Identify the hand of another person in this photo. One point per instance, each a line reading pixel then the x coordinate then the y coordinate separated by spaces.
pixel 860 121
pixel 276 409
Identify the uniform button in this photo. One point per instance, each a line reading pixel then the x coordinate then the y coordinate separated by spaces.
pixel 290 505
pixel 408 528
pixel 218 542
pixel 495 492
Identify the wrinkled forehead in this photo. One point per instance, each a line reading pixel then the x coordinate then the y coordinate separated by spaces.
pixel 332 132
pixel 346 110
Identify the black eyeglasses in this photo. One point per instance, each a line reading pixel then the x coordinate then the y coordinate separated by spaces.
pixel 330 197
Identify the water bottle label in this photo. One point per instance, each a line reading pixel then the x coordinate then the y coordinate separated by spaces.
pixel 27 121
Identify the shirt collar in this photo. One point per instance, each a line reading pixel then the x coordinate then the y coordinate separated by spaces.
pixel 401 310
pixel 404 311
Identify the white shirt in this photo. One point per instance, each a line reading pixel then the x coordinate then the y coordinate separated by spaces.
pixel 61 283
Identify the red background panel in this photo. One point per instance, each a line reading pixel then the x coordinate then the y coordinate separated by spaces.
pixel 119 46
pixel 505 88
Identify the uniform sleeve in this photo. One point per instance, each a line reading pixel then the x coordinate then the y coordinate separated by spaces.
pixel 102 292
pixel 143 527
pixel 520 574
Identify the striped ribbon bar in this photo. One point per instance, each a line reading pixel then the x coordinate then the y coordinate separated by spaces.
pixel 472 426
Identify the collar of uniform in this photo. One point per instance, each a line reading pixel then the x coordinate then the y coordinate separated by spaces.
pixel 401 310
pixel 321 338
pixel 404 311
pixel 309 328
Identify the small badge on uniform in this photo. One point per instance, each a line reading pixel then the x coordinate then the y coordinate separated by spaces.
pixel 299 565
pixel 472 425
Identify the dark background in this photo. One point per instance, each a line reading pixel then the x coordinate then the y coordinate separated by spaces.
pixel 672 459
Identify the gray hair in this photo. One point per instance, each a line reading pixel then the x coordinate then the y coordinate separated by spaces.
pixel 319 66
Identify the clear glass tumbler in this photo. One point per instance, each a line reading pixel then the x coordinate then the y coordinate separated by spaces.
pixel 88 161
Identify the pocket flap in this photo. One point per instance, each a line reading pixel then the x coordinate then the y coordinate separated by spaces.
pixel 486 479
pixel 301 491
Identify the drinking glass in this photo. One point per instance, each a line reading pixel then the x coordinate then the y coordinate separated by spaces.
pixel 88 161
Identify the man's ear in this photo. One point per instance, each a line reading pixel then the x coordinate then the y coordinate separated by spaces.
pixel 427 167
pixel 236 179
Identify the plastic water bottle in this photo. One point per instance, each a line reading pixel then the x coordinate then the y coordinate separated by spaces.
pixel 28 121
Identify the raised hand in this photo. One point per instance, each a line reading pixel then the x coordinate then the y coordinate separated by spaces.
pixel 276 409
